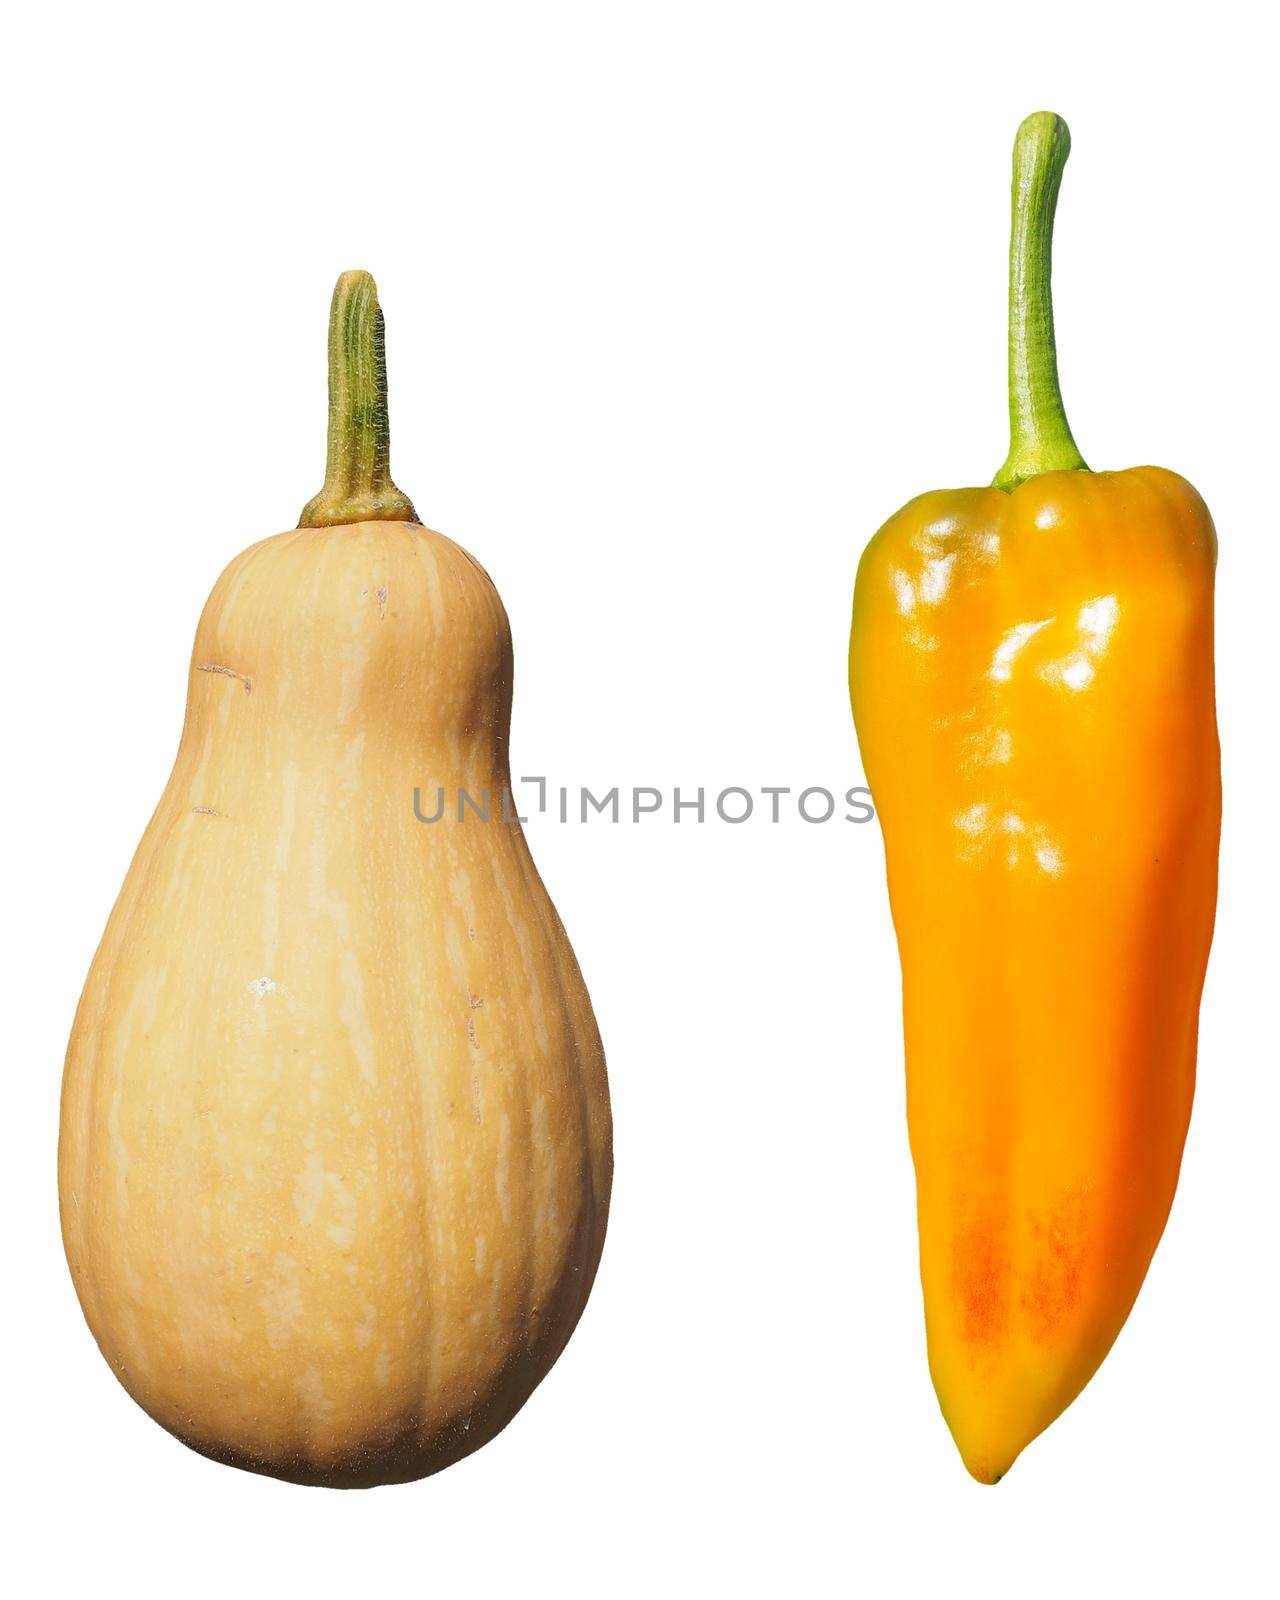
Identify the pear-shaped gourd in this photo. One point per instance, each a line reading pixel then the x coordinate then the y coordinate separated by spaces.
pixel 336 1150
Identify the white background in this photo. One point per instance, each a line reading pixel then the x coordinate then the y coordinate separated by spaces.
pixel 683 301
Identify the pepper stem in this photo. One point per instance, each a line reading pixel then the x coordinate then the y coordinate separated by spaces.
pixel 1040 436
pixel 357 479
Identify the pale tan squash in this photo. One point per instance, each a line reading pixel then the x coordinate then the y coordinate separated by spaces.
pixel 336 1156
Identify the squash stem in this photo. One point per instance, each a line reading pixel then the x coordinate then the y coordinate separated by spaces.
pixel 357 480
pixel 1040 436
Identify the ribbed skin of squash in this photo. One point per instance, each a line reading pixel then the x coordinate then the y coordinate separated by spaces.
pixel 336 1148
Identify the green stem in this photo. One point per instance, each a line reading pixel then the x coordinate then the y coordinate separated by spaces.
pixel 1040 437
pixel 357 479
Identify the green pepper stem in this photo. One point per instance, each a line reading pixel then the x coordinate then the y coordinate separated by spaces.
pixel 1040 437
pixel 357 480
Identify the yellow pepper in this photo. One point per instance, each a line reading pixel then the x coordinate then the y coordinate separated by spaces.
pixel 1031 669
